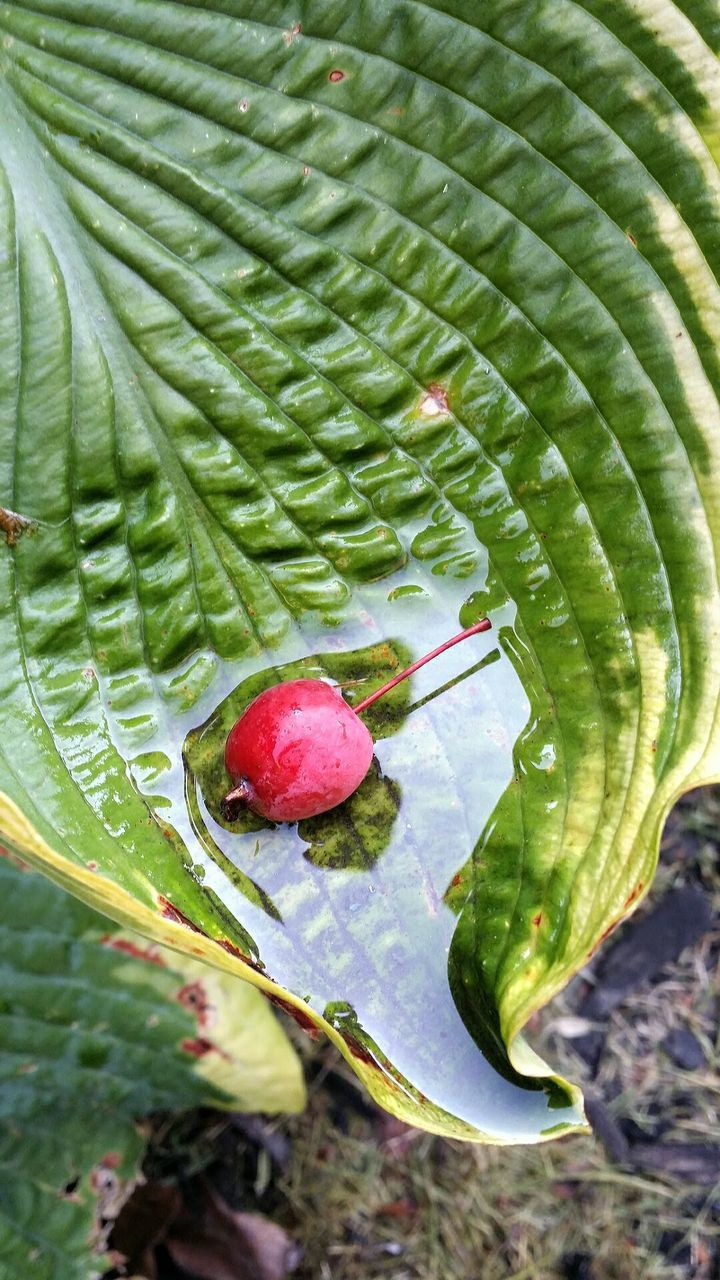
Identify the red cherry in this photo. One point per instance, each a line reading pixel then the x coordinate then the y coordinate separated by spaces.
pixel 299 749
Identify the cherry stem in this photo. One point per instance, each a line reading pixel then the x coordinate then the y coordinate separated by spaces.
pixel 236 799
pixel 483 625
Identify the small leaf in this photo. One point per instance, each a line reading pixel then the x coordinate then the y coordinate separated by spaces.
pixel 98 1028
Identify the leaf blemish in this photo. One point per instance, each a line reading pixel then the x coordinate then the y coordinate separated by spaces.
pixel 193 996
pixel 171 912
pixel 150 953
pixel 635 893
pixel 336 76
pixel 537 920
pixel 303 1020
pixel 435 402
pixel 199 1047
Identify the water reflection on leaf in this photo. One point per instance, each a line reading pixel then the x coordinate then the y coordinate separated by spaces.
pixel 352 903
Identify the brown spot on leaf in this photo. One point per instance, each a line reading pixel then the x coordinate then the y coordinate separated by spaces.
pixel 292 34
pixel 631 238
pixel 12 524
pixel 171 912
pixel 198 1047
pixel 359 1051
pixel 336 76
pixel 149 953
pixel 234 950
pixel 303 1020
pixel 603 936
pixel 193 996
pixel 537 920
pixel 635 893
pixel 435 402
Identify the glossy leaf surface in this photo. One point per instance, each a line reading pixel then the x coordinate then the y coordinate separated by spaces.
pixel 96 1030
pixel 324 329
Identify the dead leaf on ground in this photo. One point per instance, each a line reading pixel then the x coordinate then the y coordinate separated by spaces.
pixel 220 1243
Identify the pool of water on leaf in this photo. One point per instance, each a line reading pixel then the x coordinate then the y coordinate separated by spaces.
pixel 373 936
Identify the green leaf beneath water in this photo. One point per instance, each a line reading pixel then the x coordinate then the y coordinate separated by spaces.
pixel 325 328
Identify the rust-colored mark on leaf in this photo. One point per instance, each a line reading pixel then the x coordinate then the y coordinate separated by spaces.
pixel 199 1046
pixel 303 1020
pixel 632 239
pixel 91 865
pixel 234 950
pixel 171 912
pixel 435 402
pixel 336 76
pixel 537 920
pixel 149 953
pixel 194 997
pixel 12 524
pixel 635 893
pixel 292 34
pixel 359 1051
pixel 456 881
pixel 602 938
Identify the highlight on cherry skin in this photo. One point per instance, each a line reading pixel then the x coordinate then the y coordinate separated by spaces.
pixel 300 749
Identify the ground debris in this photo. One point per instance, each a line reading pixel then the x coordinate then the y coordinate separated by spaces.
pixel 697 1163
pixel 646 947
pixel 12 524
pixel 685 1049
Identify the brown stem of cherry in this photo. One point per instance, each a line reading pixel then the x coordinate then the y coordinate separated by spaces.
pixel 237 799
pixel 483 625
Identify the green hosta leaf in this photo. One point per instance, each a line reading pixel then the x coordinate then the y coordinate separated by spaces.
pixel 325 328
pixel 97 1029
